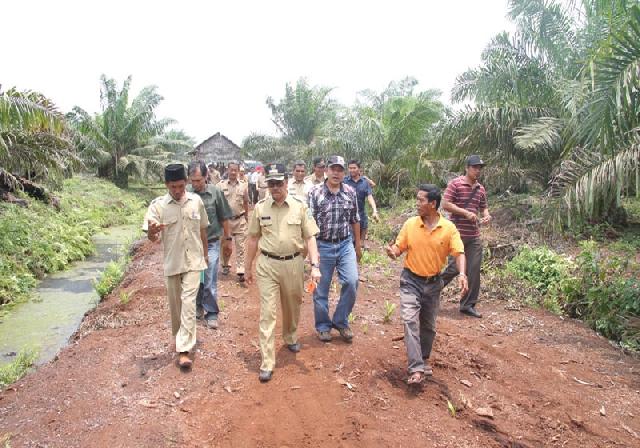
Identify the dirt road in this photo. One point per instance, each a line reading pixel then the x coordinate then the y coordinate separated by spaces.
pixel 516 378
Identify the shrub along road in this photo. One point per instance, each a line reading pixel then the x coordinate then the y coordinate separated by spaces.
pixel 516 378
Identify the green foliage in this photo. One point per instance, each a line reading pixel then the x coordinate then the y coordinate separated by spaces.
pixel 15 370
pixel 388 310
pixel 125 297
pixel 540 266
pixel 373 258
pixel 351 318
pixel 38 240
pixel 111 277
pixel 604 292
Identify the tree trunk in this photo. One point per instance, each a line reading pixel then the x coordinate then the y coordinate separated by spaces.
pixel 121 179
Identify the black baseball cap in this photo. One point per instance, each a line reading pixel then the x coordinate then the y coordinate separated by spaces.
pixel 474 159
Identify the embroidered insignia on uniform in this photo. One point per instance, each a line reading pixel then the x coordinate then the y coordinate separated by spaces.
pixel 265 217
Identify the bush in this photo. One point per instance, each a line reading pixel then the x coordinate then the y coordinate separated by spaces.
pixel 111 277
pixel 540 266
pixel 604 294
pixel 15 370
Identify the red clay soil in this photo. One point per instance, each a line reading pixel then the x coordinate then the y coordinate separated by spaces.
pixel 516 378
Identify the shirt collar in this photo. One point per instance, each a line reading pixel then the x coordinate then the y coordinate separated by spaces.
pixel 168 199
pixel 438 224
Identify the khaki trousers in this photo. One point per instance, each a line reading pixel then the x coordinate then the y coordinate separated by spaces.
pixel 278 280
pixel 239 233
pixel 182 290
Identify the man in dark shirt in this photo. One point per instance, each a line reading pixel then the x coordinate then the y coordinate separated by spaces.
pixel 463 199
pixel 334 206
pixel 219 213
pixel 363 191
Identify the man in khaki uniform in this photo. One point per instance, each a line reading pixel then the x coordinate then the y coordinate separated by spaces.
pixel 237 195
pixel 319 174
pixel 179 220
pixel 279 227
pixel 213 175
pixel 297 185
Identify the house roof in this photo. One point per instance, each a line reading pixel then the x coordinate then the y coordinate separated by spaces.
pixel 218 135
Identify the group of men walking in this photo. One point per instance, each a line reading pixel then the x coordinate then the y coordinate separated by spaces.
pixel 321 217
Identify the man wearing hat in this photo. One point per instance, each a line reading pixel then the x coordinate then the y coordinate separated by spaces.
pixel 334 206
pixel 464 199
pixel 179 220
pixel 279 227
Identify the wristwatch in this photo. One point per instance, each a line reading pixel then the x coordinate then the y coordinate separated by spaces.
pixel 228 238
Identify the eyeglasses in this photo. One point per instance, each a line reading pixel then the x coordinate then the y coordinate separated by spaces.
pixel 275 184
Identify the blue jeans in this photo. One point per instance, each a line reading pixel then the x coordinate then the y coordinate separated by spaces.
pixel 340 256
pixel 210 286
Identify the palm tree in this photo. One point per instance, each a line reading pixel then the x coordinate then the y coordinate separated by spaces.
pixel 34 138
pixel 125 139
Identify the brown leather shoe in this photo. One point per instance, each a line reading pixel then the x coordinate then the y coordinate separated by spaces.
pixel 184 361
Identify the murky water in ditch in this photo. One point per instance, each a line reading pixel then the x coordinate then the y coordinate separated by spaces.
pixel 60 301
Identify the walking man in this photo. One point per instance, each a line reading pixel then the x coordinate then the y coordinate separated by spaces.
pixel 464 198
pixel 427 240
pixel 179 220
pixel 253 186
pixel 218 213
pixel 279 228
pixel 213 174
pixel 334 207
pixel 237 195
pixel 297 185
pixel 363 191
pixel 318 176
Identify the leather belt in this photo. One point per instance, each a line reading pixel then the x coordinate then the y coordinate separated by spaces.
pixel 278 257
pixel 237 216
pixel 432 279
pixel 333 240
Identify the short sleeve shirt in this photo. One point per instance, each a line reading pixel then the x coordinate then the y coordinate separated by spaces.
pixel 300 189
pixel 427 250
pixel 181 242
pixel 313 180
pixel 458 192
pixel 363 190
pixel 334 213
pixel 218 210
pixel 282 228
pixel 235 194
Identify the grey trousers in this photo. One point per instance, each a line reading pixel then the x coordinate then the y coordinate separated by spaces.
pixel 419 305
pixel 473 254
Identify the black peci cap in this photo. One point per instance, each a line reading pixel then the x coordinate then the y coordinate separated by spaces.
pixel 174 171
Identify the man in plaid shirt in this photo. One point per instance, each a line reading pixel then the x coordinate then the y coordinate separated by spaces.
pixel 334 207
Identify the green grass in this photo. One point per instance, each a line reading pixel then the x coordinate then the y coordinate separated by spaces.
pixel 39 239
pixel 111 277
pixel 12 372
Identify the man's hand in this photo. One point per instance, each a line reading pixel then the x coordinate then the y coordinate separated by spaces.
pixel 463 284
pixel 390 251
pixel 315 274
pixel 486 219
pixel 154 229
pixel 471 216
pixel 375 216
pixel 248 276
pixel 227 249
pixel 206 259
pixel 358 253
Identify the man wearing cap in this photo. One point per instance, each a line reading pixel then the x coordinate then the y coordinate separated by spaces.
pixel 218 213
pixel 298 185
pixel 213 175
pixel 464 198
pixel 179 220
pixel 363 191
pixel 237 195
pixel 318 176
pixel 334 207
pixel 279 227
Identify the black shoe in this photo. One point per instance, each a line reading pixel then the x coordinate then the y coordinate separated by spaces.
pixel 265 375
pixel 225 270
pixel 199 312
pixel 241 278
pixel 295 348
pixel 471 312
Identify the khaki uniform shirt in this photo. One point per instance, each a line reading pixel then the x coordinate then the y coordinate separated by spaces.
pixel 313 180
pixel 282 229
pixel 214 176
pixel 235 194
pixel 299 189
pixel 181 242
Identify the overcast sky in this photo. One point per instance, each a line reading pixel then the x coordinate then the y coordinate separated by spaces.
pixel 216 62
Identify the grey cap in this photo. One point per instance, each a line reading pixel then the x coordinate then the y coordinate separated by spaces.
pixel 474 159
pixel 337 160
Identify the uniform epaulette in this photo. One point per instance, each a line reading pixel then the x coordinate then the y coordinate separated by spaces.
pixel 262 200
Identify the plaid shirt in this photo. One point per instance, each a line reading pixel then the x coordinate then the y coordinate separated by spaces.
pixel 334 213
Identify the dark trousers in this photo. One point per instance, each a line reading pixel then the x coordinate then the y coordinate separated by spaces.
pixel 473 254
pixel 253 194
pixel 419 304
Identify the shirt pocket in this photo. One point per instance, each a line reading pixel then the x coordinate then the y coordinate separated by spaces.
pixel 171 223
pixel 266 226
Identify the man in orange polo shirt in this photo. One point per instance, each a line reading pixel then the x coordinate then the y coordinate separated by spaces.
pixel 428 239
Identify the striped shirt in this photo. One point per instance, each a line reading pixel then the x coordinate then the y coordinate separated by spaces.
pixel 457 193
pixel 334 213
